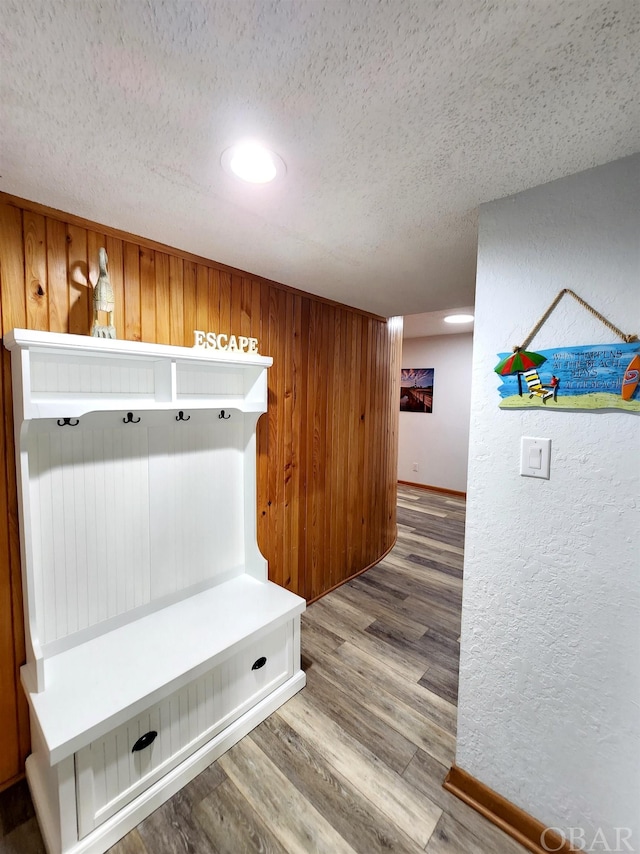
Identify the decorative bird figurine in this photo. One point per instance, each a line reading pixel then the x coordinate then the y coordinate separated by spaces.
pixel 103 300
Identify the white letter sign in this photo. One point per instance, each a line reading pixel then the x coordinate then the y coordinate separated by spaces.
pixel 222 341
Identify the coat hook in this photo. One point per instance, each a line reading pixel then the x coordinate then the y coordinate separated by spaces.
pixel 68 422
pixel 181 416
pixel 222 415
pixel 130 419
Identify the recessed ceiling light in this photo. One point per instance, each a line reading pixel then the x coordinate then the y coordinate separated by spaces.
pixel 253 163
pixel 458 318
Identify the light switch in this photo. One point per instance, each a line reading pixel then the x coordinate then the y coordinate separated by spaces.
pixel 535 457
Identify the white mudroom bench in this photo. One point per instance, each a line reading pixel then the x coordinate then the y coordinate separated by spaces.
pixel 154 639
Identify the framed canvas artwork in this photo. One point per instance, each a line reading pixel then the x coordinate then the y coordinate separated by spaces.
pixel 416 390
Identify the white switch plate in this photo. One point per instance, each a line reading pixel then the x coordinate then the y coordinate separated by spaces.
pixel 535 457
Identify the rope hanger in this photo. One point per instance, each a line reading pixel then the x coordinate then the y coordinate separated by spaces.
pixel 628 339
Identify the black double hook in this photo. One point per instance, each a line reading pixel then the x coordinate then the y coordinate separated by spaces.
pixel 68 422
pixel 182 417
pixel 222 415
pixel 130 419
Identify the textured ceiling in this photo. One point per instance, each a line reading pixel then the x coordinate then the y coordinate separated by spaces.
pixel 395 119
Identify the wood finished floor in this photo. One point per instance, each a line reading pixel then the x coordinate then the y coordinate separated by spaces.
pixel 355 762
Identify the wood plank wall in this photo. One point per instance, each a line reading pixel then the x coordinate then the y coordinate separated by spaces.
pixel 326 449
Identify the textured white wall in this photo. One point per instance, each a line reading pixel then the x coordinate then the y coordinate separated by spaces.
pixel 439 441
pixel 549 711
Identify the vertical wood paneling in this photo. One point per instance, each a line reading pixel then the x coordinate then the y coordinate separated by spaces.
pixel 12 271
pixel 316 452
pixel 334 408
pixel 299 438
pixel 14 723
pixel 351 533
pixel 295 439
pixel 245 308
pixel 203 289
pixel 57 276
pixel 162 300
pixel 35 271
pixel 148 294
pixel 176 301
pixel 326 447
pixel 274 483
pixel 78 278
pixel 115 253
pixel 224 316
pixel 211 301
pixel 325 460
pixel 132 297
pixel 189 309
pixel 255 309
pixel 368 422
pixel 285 320
pixel 235 307
pixel 378 398
pixel 354 542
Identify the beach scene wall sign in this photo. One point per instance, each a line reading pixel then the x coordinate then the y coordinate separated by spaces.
pixel 592 376
pixel 596 376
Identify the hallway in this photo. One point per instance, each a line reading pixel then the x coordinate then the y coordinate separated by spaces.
pixel 355 762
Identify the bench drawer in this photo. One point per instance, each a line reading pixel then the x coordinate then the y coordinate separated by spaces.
pixel 255 672
pixel 114 769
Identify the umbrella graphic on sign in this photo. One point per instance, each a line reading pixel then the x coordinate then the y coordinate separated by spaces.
pixel 517 362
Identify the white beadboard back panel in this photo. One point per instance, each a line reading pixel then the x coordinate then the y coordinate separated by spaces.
pixel 196 483
pixel 193 380
pixel 90 493
pixel 94 374
pixel 128 514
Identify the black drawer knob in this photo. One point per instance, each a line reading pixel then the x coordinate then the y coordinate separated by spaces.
pixel 259 663
pixel 144 741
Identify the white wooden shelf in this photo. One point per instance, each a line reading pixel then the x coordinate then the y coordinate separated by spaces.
pixel 154 638
pixel 67 376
